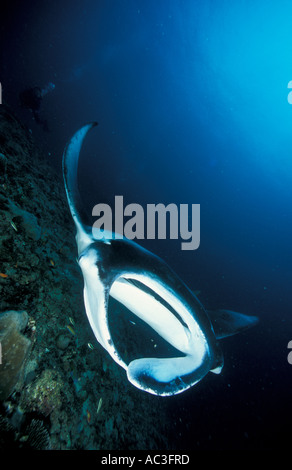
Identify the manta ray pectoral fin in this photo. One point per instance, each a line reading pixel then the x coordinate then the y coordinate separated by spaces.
pixel 70 166
pixel 228 323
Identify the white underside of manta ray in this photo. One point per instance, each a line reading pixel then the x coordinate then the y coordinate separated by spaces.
pixel 149 288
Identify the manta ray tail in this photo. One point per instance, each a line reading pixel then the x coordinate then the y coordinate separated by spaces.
pixel 70 167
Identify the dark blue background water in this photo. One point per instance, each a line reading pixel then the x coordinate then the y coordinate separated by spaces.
pixel 191 100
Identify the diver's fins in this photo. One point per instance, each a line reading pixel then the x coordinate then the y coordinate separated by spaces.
pixel 227 323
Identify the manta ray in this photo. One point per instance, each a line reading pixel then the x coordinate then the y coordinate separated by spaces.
pixel 113 266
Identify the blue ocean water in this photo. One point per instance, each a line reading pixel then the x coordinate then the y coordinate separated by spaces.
pixel 192 103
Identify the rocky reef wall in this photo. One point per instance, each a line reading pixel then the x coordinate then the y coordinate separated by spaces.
pixel 66 392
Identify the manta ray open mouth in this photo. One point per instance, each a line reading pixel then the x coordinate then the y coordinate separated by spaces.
pixel 159 308
pixel 132 336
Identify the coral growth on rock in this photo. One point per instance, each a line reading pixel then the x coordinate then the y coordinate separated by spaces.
pixel 44 394
pixel 84 398
pixel 15 348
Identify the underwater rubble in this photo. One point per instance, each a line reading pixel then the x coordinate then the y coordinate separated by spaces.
pixel 58 389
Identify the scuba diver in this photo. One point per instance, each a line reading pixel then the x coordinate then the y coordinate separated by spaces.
pixel 31 98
